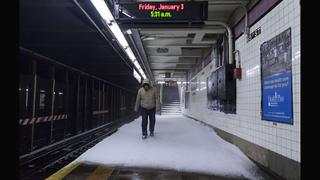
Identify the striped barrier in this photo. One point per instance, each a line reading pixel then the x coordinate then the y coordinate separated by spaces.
pixel 36 120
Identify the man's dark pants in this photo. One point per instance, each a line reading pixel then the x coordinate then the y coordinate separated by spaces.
pixel 145 113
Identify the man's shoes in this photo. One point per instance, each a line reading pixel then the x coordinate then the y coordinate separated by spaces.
pixel 151 134
pixel 144 137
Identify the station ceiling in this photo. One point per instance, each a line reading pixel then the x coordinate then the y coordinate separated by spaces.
pixel 59 30
pixel 177 50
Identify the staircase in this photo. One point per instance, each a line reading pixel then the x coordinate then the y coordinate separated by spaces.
pixel 170 100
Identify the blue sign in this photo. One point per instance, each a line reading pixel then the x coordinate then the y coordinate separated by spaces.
pixel 277 98
pixel 276 77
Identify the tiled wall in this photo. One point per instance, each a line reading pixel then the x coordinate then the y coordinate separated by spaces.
pixel 281 138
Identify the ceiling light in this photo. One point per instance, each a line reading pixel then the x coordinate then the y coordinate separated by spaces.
pixel 129 31
pixel 130 53
pixel 149 38
pixel 126 14
pixel 103 10
pixel 106 14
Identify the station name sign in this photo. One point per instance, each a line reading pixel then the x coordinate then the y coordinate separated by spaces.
pixel 254 34
pixel 162 11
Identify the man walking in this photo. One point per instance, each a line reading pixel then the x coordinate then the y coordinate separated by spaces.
pixel 148 99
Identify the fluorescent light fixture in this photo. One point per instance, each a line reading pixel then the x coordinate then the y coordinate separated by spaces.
pixel 103 10
pixel 161 82
pixel 136 64
pixel 137 76
pixel 130 53
pixel 119 35
pixel 149 38
pixel 141 71
pixel 129 31
pixel 105 13
pixel 178 82
pixel 126 14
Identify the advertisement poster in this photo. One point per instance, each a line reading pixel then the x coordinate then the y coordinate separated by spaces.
pixel 276 78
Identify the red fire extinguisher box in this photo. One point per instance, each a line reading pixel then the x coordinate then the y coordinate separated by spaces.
pixel 237 73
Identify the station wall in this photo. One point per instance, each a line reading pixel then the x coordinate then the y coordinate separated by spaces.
pixel 279 138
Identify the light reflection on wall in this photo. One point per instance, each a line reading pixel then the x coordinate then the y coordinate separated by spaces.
pixel 203 86
pixel 296 56
pixel 253 71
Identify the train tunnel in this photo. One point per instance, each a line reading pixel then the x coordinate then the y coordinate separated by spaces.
pixel 149 89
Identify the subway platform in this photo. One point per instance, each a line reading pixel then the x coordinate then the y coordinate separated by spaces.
pixel 181 149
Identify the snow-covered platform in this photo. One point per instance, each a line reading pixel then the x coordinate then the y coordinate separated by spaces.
pixel 180 145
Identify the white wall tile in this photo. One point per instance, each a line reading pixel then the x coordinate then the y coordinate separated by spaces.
pixel 247 123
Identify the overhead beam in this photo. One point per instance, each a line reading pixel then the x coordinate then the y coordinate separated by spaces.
pixel 50 30
pixel 171 68
pixel 168 69
pixel 177 56
pixel 173 59
pixel 177 51
pixel 228 2
pixel 39 4
pixel 48 45
pixel 163 71
pixel 181 31
pixel 179 45
pixel 172 63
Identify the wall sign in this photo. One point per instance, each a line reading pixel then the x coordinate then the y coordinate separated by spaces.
pixel 162 11
pixel 276 78
pixel 254 34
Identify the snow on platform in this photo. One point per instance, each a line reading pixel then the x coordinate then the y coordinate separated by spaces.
pixel 179 144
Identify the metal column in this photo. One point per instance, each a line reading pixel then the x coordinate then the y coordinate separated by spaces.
pixel 66 103
pixel 92 105
pixel 52 101
pixel 85 119
pixel 99 103
pixel 34 73
pixel 77 105
pixel 103 101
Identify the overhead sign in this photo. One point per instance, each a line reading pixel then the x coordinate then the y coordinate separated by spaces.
pixel 161 11
pixel 276 77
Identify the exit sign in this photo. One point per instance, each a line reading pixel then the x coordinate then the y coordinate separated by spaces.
pixel 153 12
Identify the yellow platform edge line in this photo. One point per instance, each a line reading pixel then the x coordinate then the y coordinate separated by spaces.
pixel 101 172
pixel 63 172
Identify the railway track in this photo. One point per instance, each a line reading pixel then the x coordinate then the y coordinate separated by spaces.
pixel 43 163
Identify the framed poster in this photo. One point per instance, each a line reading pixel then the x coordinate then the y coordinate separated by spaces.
pixel 276 78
